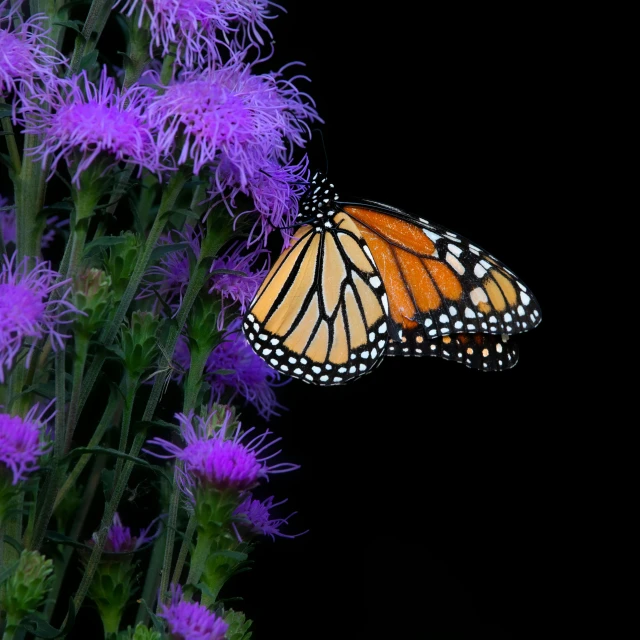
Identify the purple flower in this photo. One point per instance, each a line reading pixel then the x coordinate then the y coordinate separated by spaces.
pixel 8 225
pixel 120 540
pixel 232 118
pixel 191 620
pixel 251 377
pixel 216 459
pixel 196 29
pixel 29 310
pixel 237 287
pixel 82 123
pixel 23 441
pixel 254 516
pixel 275 189
pixel 29 59
pixel 170 278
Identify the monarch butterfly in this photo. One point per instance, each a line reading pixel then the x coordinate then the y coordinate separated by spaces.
pixel 363 279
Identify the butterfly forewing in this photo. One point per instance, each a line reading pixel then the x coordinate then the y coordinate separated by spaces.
pixel 438 283
pixel 321 313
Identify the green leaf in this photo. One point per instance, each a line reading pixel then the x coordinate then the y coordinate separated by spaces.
pixel 59 538
pixel 78 451
pixel 39 627
pixel 227 553
pixel 89 61
pixel 5 110
pixel 103 241
pixel 8 572
pixel 12 541
pixel 162 250
pixel 76 25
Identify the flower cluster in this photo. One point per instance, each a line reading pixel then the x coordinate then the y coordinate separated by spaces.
pixel 163 171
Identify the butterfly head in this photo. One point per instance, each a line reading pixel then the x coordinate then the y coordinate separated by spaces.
pixel 319 201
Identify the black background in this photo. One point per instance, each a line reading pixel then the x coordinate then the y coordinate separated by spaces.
pixel 437 499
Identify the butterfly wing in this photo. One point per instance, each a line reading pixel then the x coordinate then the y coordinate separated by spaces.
pixel 439 283
pixel 483 351
pixel 321 313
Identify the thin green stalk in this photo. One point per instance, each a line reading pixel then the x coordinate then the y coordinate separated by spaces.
pixel 48 495
pixel 94 24
pixel 131 386
pixel 29 203
pixel 107 519
pixel 96 438
pixel 78 522
pixel 110 332
pixel 184 549
pixel 150 588
pixel 169 196
pixel 172 525
pixel 199 557
pixel 79 361
pixel 12 146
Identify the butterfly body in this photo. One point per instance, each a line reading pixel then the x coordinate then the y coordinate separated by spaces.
pixel 364 280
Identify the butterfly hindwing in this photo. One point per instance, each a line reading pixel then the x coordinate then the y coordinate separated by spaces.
pixel 483 351
pixel 321 314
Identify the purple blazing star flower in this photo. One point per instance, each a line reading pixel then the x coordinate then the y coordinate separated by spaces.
pixel 275 189
pixel 191 620
pixel 89 123
pixel 28 56
pixel 28 310
pixel 251 378
pixel 23 441
pixel 170 278
pixel 120 540
pixel 219 460
pixel 196 29
pixel 237 287
pixel 230 116
pixel 254 516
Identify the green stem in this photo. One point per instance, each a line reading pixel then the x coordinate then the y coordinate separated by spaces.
pixel 184 549
pixel 172 524
pixel 110 332
pixel 95 440
pixel 131 386
pixel 204 544
pixel 79 360
pixel 78 523
pixel 94 24
pixel 107 519
pixel 29 203
pixel 169 197
pixel 12 146
pixel 48 495
pixel 150 588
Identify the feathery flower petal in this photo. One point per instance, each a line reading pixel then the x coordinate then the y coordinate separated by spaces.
pixel 241 286
pixel 29 59
pixel 217 459
pixel 230 116
pixel 191 620
pixel 200 31
pixel 83 123
pixel 23 441
pixel 254 515
pixel 28 310
pixel 120 540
